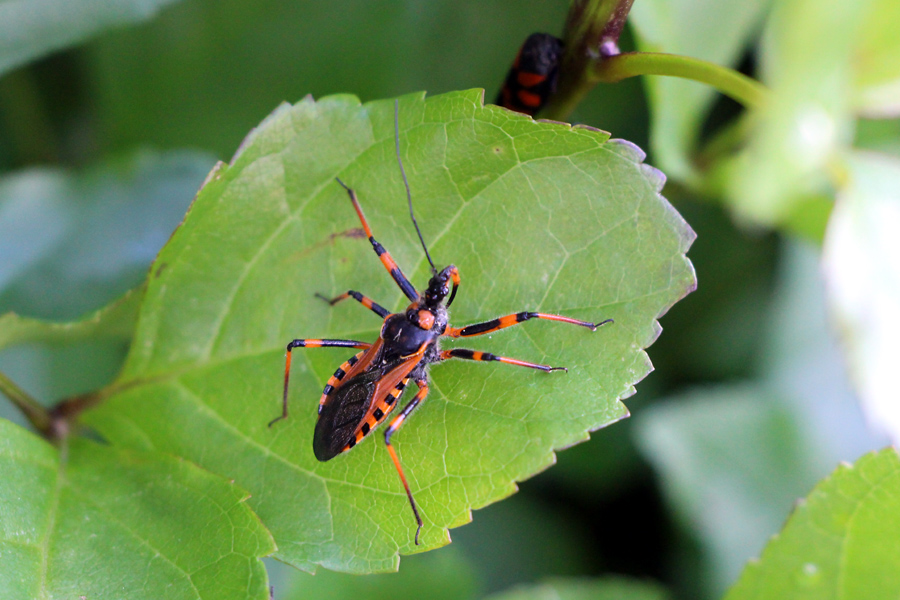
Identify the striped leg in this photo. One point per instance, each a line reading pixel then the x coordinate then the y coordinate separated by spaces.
pixel 510 320
pixel 394 426
pixel 405 286
pixel 310 343
pixel 364 300
pixel 487 356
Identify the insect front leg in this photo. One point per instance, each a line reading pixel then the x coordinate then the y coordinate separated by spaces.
pixel 514 319
pixel 310 343
pixel 394 426
pixel 364 300
pixel 402 282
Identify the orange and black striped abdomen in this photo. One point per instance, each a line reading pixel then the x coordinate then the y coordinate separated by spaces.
pixel 532 78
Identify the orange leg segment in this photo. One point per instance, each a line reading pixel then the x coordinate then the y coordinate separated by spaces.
pixel 514 319
pixel 394 426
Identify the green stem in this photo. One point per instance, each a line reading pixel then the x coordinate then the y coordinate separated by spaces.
pixel 36 414
pixel 735 85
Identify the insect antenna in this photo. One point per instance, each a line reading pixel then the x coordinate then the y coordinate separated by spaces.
pixel 406 183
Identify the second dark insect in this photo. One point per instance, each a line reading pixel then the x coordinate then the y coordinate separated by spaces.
pixel 532 78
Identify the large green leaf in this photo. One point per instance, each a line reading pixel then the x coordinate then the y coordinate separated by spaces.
pixel 30 29
pixel 535 215
pixel 843 541
pixel 91 521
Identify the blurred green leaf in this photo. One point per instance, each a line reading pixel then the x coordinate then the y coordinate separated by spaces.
pixel 95 522
pixel 536 216
pixel 842 541
pixel 731 461
pixel 30 29
pixel 712 30
pixel 733 458
pixel 441 575
pixel 862 268
pixel 877 61
pixel 115 321
pixel 878 134
pixel 73 242
pixel 807 61
pixel 608 588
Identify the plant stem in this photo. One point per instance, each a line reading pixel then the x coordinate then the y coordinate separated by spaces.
pixel 735 85
pixel 36 414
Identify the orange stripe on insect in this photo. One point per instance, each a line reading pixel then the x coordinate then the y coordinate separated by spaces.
pixel 507 321
pixel 529 99
pixel 530 79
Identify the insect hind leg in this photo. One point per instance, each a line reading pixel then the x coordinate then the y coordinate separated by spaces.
pixel 392 428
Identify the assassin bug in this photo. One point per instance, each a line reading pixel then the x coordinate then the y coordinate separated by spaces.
pixel 365 389
pixel 532 78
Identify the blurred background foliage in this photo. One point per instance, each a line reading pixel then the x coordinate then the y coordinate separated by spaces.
pixel 103 145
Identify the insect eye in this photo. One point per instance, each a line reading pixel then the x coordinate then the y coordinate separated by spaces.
pixel 412 316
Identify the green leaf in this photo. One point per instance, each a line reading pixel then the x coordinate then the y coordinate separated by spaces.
pixel 97 522
pixel 712 30
pixel 863 276
pixel 843 541
pixel 537 216
pixel 608 588
pixel 29 29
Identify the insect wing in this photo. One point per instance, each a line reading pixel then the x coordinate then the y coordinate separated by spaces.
pixel 341 415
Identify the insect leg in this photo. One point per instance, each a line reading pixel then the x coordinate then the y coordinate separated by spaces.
pixel 405 286
pixel 364 300
pixel 309 343
pixel 510 320
pixel 487 356
pixel 394 426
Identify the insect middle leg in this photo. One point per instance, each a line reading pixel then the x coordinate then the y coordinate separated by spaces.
pixel 310 343
pixel 514 319
pixel 405 286
pixel 393 427
pixel 364 300
pixel 487 356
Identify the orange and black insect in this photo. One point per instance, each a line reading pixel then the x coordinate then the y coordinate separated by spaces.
pixel 532 78
pixel 367 388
